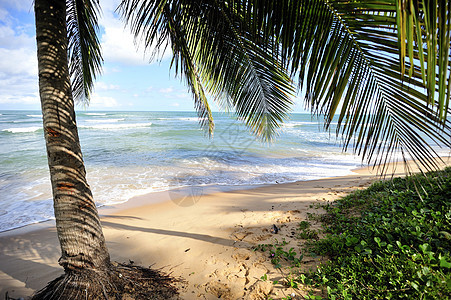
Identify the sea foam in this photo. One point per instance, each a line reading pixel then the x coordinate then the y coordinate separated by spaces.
pixel 23 129
pixel 95 114
pixel 116 126
pixel 105 120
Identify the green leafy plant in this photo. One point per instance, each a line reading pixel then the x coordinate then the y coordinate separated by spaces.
pixel 277 253
pixel 305 233
pixel 385 242
pixel 389 241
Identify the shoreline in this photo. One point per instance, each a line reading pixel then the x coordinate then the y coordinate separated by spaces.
pixel 151 198
pixel 156 197
pixel 206 239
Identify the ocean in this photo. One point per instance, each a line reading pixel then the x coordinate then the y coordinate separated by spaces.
pixel 132 153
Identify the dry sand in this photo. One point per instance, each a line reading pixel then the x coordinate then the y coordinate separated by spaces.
pixel 204 238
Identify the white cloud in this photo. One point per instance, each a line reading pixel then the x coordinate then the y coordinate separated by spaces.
pixel 118 46
pixel 102 86
pixel 175 104
pixel 13 37
pixel 166 90
pixel 101 102
pixel 183 95
pixel 25 100
pixel 18 62
pixel 21 5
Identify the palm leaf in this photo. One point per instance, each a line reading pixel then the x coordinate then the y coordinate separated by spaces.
pixel 347 55
pixel 84 53
pixel 154 22
pixel 372 63
pixel 428 24
pixel 212 48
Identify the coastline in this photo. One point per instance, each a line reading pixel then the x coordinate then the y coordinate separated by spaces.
pixel 205 238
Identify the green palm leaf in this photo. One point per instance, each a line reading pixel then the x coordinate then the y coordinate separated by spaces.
pixel 428 24
pixel 349 58
pixel 412 119
pixel 351 64
pixel 84 53
pixel 213 49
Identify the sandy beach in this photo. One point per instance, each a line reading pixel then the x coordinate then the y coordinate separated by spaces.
pixel 202 237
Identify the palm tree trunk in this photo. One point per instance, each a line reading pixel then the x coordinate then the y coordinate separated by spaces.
pixel 77 221
pixel 89 274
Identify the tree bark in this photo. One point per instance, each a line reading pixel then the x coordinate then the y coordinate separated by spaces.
pixel 77 221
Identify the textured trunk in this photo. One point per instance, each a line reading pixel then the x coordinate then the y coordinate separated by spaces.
pixel 88 271
pixel 77 221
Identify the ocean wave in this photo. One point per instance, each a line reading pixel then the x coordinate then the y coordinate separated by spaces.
pixel 95 114
pixel 22 129
pixel 178 157
pixel 34 116
pixel 191 119
pixel 25 121
pixel 26 213
pixel 105 120
pixel 297 124
pixel 112 185
pixel 116 126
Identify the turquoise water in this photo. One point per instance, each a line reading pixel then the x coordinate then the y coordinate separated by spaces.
pixel 132 153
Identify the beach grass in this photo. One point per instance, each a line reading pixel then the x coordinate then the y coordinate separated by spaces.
pixel 389 241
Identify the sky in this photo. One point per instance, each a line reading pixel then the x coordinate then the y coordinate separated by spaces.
pixel 129 81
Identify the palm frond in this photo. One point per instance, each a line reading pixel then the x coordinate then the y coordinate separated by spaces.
pixel 350 58
pixel 412 119
pixel 347 57
pixel 84 53
pixel 213 50
pixel 154 22
pixel 424 29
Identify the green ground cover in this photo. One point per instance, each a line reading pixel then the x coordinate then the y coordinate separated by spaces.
pixel 389 241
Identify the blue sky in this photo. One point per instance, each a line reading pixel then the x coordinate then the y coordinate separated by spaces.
pixel 128 81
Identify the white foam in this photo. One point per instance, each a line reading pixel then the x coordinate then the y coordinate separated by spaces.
pixel 191 119
pixel 22 129
pixel 112 185
pixel 26 213
pixel 118 176
pixel 194 119
pixel 34 116
pixel 297 124
pixel 116 126
pixel 105 120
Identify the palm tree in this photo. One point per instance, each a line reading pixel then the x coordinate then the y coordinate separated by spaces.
pixel 68 60
pixel 70 189
pixel 66 30
pixel 248 55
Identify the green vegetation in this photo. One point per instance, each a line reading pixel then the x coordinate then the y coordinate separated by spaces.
pixel 277 254
pixel 305 233
pixel 386 242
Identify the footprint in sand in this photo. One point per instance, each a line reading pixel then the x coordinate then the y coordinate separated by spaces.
pixel 260 290
pixel 219 290
pixel 242 255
